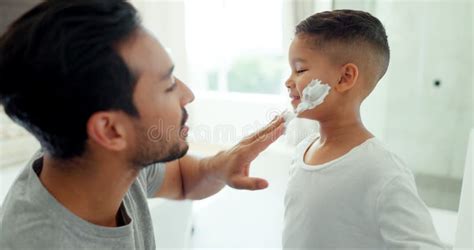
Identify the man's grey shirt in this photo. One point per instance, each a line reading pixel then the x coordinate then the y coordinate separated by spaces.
pixel 31 218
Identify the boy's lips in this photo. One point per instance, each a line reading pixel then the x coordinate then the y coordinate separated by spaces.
pixel 294 99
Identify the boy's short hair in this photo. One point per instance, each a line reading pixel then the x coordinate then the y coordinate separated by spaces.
pixel 357 32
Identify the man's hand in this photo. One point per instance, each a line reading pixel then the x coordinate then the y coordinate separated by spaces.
pixel 231 167
pixel 194 178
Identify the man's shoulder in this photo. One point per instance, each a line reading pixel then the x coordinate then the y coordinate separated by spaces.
pixel 25 219
pixel 24 224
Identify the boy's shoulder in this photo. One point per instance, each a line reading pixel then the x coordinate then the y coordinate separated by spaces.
pixel 377 160
pixel 379 153
pixel 372 157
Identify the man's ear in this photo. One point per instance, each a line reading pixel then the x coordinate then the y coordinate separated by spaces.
pixel 349 76
pixel 107 130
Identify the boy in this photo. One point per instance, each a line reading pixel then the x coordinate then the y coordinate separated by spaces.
pixel 346 190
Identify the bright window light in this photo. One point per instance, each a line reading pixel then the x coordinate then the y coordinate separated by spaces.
pixel 235 45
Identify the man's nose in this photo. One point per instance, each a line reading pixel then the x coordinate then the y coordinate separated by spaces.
pixel 188 95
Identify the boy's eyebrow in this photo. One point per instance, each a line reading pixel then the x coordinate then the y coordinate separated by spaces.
pixel 298 60
pixel 168 73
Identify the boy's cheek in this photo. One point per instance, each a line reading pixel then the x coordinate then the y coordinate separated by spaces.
pixel 305 80
pixel 301 84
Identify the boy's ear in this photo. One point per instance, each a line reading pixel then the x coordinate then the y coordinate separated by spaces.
pixel 106 129
pixel 349 75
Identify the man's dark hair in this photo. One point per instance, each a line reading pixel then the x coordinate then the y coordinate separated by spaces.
pixel 59 64
pixel 348 27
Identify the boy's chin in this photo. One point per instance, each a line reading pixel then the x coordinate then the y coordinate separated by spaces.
pixel 312 114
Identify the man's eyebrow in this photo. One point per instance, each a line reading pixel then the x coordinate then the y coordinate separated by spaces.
pixel 168 74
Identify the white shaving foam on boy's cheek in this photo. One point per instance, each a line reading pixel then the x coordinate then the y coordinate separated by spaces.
pixel 313 95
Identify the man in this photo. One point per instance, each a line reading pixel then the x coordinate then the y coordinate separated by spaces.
pixel 98 92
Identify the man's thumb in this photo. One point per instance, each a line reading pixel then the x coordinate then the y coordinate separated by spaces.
pixel 248 183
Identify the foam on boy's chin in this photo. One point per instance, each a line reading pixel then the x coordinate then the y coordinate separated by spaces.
pixel 288 116
pixel 313 95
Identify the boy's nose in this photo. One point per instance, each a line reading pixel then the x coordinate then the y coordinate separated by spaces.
pixel 290 84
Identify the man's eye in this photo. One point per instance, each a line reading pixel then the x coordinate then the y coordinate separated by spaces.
pixel 172 87
pixel 301 71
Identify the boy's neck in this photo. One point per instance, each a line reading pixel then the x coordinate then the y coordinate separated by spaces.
pixel 343 129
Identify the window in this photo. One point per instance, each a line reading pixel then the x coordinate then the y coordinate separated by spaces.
pixel 235 45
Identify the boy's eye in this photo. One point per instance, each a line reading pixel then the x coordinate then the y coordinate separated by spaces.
pixel 300 71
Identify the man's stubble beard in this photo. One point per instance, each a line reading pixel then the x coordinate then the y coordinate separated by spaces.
pixel 151 151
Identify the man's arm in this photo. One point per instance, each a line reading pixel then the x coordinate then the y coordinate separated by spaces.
pixel 197 178
pixel 188 178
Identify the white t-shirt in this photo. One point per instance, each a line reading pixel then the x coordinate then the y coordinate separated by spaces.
pixel 365 199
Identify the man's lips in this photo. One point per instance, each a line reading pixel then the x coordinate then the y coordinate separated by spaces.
pixel 185 130
pixel 184 118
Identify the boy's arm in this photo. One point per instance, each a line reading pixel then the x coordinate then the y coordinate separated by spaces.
pixel 403 218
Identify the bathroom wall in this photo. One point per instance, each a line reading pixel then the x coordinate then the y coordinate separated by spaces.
pixel 11 9
pixel 429 92
pixel 429 84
